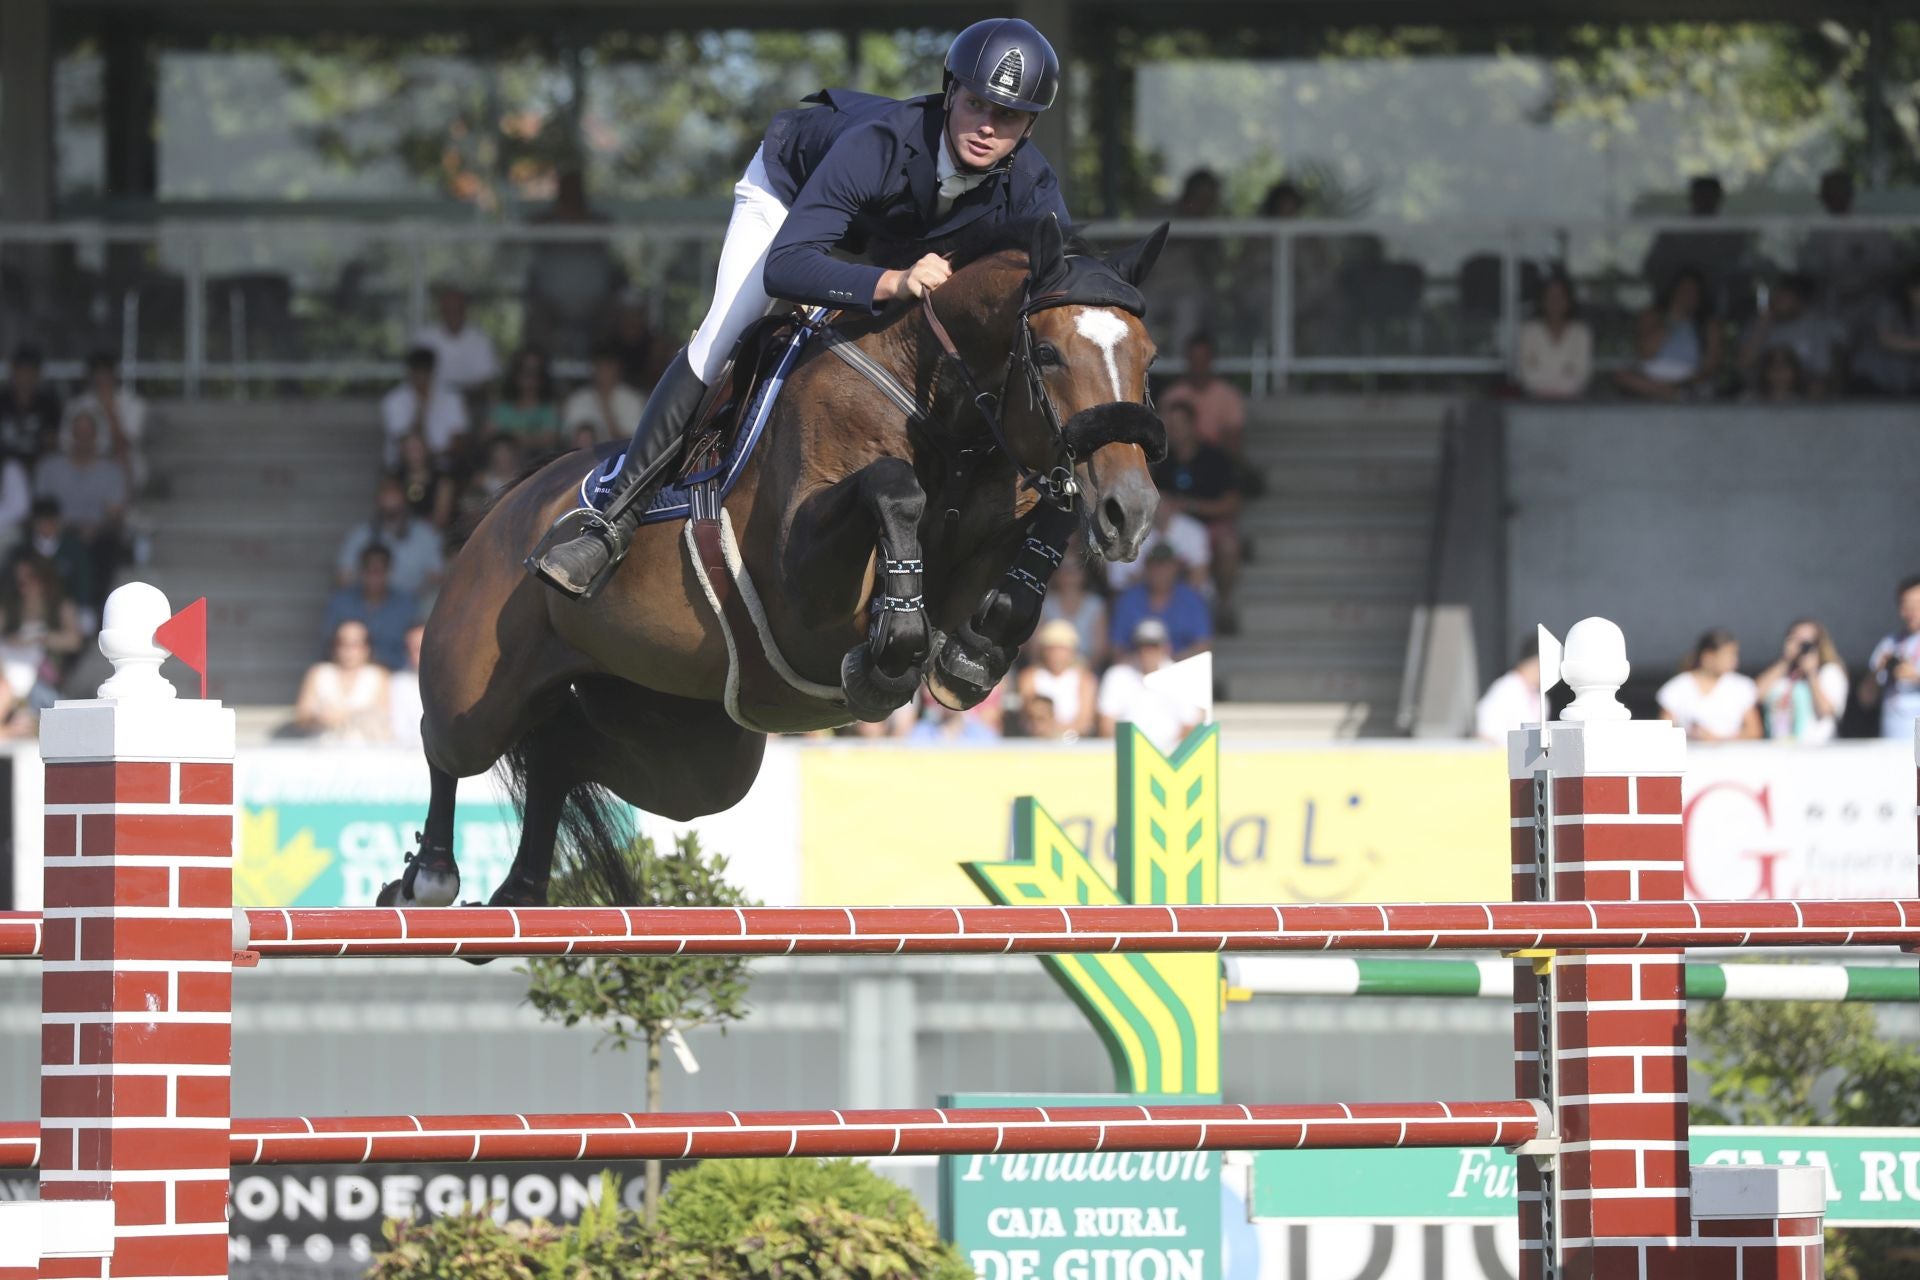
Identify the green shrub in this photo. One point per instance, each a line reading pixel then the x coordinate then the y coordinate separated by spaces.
pixel 720 1220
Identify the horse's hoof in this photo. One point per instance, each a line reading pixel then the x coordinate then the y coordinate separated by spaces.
pixel 872 694
pixel 962 677
pixel 518 893
pixel 433 886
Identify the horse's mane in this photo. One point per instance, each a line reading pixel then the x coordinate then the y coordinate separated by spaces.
pixel 974 242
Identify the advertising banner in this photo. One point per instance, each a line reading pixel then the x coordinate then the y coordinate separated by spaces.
pixel 1873 1177
pixel 1102 1216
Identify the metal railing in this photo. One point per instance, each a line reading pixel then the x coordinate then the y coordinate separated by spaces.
pixel 265 301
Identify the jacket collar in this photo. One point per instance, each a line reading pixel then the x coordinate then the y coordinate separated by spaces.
pixel 922 171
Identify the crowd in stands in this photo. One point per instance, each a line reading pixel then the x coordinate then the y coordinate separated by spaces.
pixel 458 427
pixel 70 470
pixel 1801 696
pixel 1842 319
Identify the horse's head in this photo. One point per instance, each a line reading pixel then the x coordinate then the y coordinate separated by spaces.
pixel 1079 381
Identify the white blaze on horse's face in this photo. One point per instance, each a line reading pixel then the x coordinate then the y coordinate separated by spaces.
pixel 1105 329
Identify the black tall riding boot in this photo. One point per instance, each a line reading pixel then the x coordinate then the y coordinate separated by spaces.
pixel 573 565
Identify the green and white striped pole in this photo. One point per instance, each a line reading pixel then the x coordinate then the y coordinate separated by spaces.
pixel 1493 979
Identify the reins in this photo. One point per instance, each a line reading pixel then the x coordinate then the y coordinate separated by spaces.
pixel 1057 485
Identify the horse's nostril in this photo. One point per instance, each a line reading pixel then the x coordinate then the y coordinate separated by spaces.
pixel 1114 514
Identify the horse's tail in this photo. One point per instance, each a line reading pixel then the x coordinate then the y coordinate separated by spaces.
pixel 591 856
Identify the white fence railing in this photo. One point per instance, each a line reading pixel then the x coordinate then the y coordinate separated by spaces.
pixel 334 300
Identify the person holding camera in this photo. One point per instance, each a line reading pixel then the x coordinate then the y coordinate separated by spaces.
pixel 1803 694
pixel 1892 681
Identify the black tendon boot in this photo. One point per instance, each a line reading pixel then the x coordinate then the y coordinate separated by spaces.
pixel 575 566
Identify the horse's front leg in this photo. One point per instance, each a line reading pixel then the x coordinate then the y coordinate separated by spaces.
pixel 979 653
pixel 879 676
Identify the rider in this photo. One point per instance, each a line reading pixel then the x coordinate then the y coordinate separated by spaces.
pixel 861 173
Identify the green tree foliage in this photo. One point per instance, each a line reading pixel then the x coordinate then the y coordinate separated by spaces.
pixel 1797 1064
pixel 640 1000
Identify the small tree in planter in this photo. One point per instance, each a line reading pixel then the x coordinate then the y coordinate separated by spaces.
pixel 641 999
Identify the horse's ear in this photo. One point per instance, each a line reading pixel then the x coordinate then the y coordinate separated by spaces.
pixel 1134 262
pixel 1046 256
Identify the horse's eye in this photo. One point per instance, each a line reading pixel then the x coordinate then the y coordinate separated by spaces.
pixel 1047 356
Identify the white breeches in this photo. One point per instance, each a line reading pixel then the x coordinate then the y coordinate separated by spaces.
pixel 739 296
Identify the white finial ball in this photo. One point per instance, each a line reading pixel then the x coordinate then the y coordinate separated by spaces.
pixel 1594 665
pixel 132 614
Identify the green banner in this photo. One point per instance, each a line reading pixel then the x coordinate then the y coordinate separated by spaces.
pixel 1873 1177
pixel 1105 1216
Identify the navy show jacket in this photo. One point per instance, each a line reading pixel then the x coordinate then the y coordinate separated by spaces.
pixel 858 173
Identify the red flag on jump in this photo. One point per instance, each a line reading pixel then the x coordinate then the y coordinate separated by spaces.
pixel 184 635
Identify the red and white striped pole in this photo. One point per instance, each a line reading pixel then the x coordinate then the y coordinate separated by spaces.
pixel 1600 1037
pixel 137 983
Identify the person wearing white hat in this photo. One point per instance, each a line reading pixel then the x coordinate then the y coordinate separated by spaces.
pixel 1056 689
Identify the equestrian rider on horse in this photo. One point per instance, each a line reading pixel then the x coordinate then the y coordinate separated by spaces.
pixel 856 172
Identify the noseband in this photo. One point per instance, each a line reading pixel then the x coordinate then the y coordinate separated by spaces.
pixel 1082 434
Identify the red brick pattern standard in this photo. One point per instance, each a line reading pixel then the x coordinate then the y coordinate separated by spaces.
pixel 1596 818
pixel 136 1037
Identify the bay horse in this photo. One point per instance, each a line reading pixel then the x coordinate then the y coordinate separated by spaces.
pixel 900 515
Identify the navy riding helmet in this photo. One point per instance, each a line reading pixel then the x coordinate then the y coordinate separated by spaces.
pixel 1005 60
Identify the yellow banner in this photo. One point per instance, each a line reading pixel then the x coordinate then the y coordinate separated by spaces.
pixel 891 825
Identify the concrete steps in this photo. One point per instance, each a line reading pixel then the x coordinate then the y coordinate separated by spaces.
pixel 1341 541
pixel 258 495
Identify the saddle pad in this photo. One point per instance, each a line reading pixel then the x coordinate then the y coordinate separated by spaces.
pixel 675 499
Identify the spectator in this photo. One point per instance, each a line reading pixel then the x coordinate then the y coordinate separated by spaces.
pixel 16 503
pixel 39 631
pixel 1059 678
pixel 1853 263
pixel 1219 410
pixel 428 488
pixel 1804 693
pixel 1178 530
pixel 117 409
pixel 1196 480
pixel 1125 694
pixel 1182 293
pixel 1320 307
pixel 1554 360
pixel 29 410
pixel 1889 361
pixel 345 697
pixel 643 354
pixel 1710 699
pixel 1791 322
pixel 1714 256
pixel 1070 598
pixel 1163 596
pixel 1513 700
pixel 527 407
pixel 49 538
pixel 420 406
pixel 464 359
pixel 939 723
pixel 569 280
pixel 1679 344
pixel 387 612
pixel 503 466
pixel 92 492
pixel 1892 681
pixel 411 545
pixel 1780 379
pixel 403 694
pixel 606 406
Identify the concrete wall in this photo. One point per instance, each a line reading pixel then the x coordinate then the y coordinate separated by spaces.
pixel 1673 520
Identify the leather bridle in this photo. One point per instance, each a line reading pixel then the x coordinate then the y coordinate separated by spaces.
pixel 1056 485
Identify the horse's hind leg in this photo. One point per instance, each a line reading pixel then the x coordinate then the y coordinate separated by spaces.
pixel 432 879
pixel 547 779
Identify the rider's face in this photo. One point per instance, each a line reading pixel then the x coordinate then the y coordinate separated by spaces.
pixel 983 133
